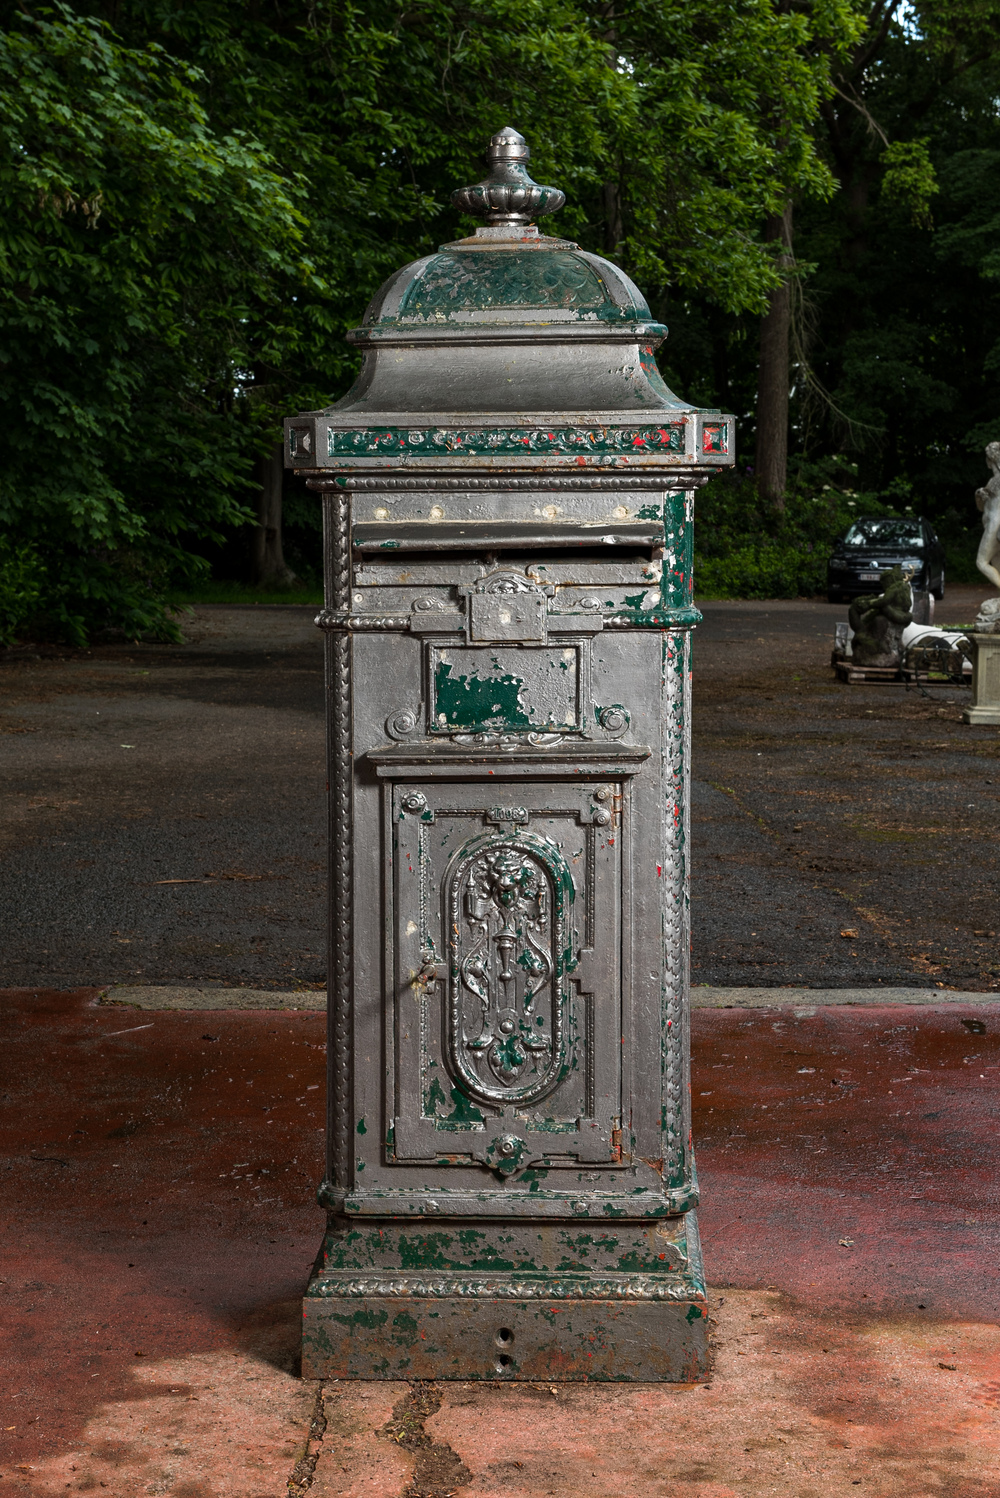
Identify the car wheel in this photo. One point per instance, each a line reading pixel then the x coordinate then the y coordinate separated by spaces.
pixel 939 590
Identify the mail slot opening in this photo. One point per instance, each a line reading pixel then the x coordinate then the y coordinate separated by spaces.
pixel 430 537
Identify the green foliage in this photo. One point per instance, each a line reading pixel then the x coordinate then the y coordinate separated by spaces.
pixel 746 549
pixel 20 590
pixel 909 179
pixel 199 202
pixel 139 253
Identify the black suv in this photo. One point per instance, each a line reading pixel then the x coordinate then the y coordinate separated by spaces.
pixel 873 545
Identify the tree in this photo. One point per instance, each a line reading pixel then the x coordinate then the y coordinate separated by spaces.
pixel 137 249
pixel 771 460
pixel 894 324
pixel 268 564
pixel 311 148
pixel 907 330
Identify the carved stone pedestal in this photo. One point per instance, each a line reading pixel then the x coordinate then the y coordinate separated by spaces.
pixel 985 707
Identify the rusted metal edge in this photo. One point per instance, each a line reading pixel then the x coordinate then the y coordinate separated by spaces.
pixel 626 1206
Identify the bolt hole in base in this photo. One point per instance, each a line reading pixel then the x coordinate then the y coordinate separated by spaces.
pixel 503 1363
pixel 505 1337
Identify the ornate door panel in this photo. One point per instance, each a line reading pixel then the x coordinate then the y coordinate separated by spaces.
pixel 506 958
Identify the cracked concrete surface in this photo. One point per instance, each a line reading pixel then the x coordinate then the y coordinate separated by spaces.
pixel 158 1178
pixel 800 1405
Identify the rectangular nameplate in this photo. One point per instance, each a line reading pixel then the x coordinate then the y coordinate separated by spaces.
pixel 500 814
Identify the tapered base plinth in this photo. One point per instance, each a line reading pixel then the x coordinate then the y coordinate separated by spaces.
pixel 989 715
pixel 538 1323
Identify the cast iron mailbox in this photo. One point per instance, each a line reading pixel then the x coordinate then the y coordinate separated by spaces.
pixel 508 492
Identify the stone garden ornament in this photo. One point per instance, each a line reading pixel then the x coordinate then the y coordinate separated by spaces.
pixel 988 555
pixel 878 623
pixel 985 639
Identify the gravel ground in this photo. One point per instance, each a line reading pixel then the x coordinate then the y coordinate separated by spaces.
pixel 843 835
pixel 163 811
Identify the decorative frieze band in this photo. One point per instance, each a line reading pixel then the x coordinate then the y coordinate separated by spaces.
pixel 504 441
pixel 671 1286
pixel 653 481
pixel 344 623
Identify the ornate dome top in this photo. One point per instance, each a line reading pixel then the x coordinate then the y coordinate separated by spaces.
pixel 552 281
pixel 507 273
pixel 508 350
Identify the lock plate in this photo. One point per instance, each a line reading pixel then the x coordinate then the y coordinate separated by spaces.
pixel 518 617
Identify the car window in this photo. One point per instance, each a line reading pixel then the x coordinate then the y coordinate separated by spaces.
pixel 884 533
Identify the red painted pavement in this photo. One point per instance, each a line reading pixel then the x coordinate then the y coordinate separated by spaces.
pixel 879 1127
pixel 159 1171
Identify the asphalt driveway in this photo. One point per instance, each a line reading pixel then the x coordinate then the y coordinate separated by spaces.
pixel 162 817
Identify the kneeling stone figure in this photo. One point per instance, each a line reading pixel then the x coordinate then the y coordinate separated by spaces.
pixel 878 623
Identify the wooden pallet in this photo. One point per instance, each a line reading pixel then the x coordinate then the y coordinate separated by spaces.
pixel 847 671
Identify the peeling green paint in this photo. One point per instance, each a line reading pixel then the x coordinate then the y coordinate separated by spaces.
pixel 463 1115
pixel 361 1126
pixel 457 281
pixel 493 702
pixel 369 1319
pixel 405 1329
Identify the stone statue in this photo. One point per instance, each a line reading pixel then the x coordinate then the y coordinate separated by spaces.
pixel 988 555
pixel 988 618
pixel 878 623
pixel 988 500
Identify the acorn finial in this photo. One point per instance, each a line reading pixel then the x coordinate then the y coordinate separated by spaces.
pixel 508 196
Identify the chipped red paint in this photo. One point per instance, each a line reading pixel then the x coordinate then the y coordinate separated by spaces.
pixel 925 1232
pixel 790 1163
pixel 715 437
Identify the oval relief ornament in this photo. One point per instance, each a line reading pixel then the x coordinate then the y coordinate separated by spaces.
pixel 507 902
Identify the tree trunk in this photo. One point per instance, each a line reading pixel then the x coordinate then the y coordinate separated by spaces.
pixel 773 375
pixel 267 562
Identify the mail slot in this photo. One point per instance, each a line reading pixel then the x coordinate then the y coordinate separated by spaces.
pixel 508 613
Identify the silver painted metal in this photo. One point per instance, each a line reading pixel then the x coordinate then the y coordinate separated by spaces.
pixel 508 492
pixel 508 197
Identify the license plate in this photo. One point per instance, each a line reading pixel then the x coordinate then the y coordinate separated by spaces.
pixel 869 577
